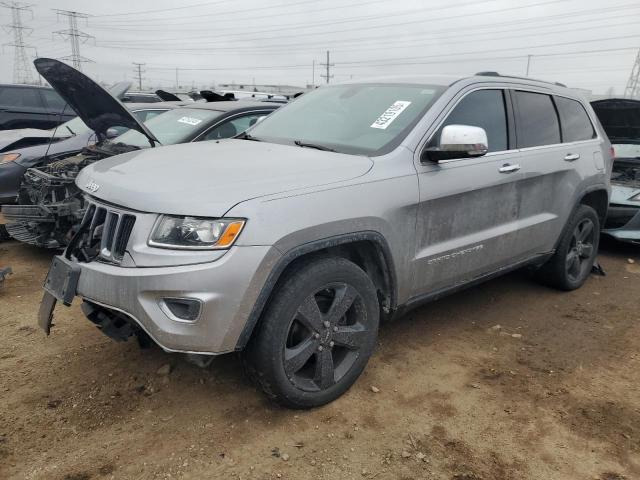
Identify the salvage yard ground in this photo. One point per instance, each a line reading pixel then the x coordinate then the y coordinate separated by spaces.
pixel 507 380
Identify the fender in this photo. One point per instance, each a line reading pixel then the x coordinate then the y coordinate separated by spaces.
pixel 305 249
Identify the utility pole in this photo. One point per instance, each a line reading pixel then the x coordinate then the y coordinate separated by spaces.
pixel 528 63
pixel 138 73
pixel 177 83
pixel 313 73
pixel 75 36
pixel 328 65
pixel 632 89
pixel 21 66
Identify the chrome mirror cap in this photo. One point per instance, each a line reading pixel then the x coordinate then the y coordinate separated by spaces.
pixel 466 140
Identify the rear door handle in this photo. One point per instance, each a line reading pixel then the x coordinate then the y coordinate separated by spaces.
pixel 571 157
pixel 508 168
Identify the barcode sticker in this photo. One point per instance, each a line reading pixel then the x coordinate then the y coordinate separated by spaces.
pixel 190 120
pixel 390 114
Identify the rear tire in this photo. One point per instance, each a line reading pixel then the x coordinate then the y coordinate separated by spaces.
pixel 571 264
pixel 316 335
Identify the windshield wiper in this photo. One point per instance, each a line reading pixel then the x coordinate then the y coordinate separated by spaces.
pixel 300 143
pixel 72 132
pixel 246 136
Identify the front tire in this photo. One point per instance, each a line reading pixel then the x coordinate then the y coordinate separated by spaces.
pixel 316 335
pixel 571 264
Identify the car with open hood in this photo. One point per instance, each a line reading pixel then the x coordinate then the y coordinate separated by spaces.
pixel 620 118
pixel 66 140
pixel 49 204
pixel 28 137
pixel 355 202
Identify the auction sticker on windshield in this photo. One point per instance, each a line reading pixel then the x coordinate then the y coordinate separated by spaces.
pixel 190 120
pixel 390 114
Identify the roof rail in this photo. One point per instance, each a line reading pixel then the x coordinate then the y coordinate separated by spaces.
pixel 496 74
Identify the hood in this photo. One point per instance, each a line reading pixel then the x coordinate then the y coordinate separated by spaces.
pixel 208 178
pixel 27 137
pixel 94 105
pixel 620 118
pixel 167 96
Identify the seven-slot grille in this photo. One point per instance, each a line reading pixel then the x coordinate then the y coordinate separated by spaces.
pixel 111 228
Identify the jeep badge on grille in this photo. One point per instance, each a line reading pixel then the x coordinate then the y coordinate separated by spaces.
pixel 92 186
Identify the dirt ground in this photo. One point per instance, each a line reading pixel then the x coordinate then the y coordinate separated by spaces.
pixel 508 380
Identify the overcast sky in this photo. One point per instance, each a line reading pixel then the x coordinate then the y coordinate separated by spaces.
pixel 584 43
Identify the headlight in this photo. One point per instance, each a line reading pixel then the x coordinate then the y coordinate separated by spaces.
pixel 9 157
pixel 195 233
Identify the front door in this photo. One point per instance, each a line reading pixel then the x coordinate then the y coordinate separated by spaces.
pixel 467 216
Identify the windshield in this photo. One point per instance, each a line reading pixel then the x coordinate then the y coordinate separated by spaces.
pixel 626 150
pixel 369 119
pixel 174 126
pixel 76 125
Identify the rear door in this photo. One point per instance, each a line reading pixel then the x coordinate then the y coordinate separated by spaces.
pixel 467 220
pixel 558 146
pixel 22 107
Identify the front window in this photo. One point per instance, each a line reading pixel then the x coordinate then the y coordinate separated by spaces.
pixel 75 126
pixel 364 119
pixel 174 126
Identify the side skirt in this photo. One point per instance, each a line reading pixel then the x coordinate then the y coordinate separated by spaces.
pixel 420 300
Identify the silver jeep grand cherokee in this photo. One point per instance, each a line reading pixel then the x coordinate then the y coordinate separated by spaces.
pixel 354 203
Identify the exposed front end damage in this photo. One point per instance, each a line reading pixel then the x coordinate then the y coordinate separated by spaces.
pixel 49 203
pixel 623 219
pixel 620 118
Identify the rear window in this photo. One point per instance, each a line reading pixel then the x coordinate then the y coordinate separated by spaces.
pixel 574 120
pixel 536 120
pixel 20 97
pixel 54 101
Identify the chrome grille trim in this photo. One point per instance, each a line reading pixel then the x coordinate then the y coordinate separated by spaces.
pixel 110 226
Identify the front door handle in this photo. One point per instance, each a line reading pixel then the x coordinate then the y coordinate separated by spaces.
pixel 571 157
pixel 508 168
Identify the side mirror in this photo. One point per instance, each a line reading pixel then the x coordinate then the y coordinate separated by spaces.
pixel 458 141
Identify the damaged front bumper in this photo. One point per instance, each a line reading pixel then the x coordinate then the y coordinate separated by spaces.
pixel 155 300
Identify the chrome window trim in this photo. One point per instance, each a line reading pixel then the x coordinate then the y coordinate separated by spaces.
pixel 531 89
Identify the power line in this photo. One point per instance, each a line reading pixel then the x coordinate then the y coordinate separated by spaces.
pixel 141 12
pixel 138 73
pixel 21 65
pixel 320 42
pixel 305 25
pixel 75 36
pixel 632 89
pixel 393 44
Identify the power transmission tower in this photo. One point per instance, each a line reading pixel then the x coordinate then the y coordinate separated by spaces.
pixel 633 85
pixel 75 37
pixel 328 66
pixel 138 73
pixel 21 66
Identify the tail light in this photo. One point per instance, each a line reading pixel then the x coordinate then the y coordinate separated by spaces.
pixel 612 151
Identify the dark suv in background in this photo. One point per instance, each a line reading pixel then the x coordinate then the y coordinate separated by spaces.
pixel 31 106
